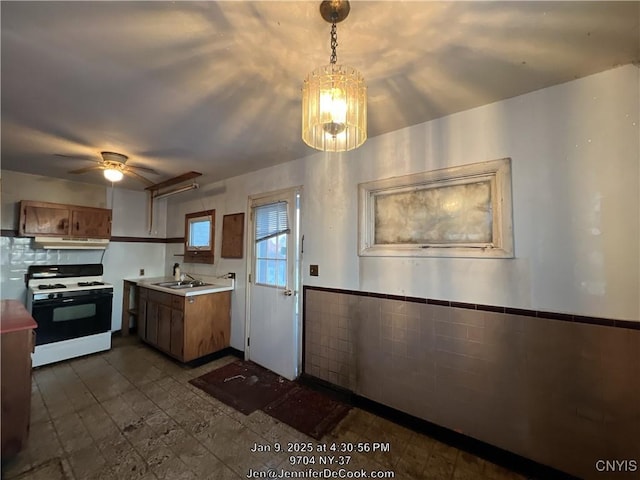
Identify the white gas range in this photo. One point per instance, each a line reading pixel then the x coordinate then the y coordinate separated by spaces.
pixel 72 306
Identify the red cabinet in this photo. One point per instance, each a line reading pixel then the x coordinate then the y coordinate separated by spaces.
pixel 17 343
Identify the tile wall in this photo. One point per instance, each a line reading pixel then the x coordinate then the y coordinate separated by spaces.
pixel 17 253
pixel 558 390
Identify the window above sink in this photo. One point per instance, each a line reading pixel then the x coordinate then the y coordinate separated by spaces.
pixel 199 238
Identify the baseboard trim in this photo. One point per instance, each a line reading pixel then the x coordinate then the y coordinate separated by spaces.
pixel 198 362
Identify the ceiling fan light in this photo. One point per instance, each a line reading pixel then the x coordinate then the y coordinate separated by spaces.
pixel 113 174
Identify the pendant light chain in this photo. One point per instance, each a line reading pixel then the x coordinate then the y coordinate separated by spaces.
pixel 334 97
pixel 334 43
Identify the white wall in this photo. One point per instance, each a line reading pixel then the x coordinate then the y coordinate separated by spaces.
pixel 131 214
pixel 122 260
pixel 575 174
pixel 576 181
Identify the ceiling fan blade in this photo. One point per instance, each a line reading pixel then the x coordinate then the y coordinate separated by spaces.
pixel 87 169
pixel 167 153
pixel 78 157
pixel 133 174
pixel 142 169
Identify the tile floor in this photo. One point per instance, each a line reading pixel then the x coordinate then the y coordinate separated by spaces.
pixel 130 413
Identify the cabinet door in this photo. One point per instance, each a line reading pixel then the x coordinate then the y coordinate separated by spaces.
pixel 206 324
pixel 43 219
pixel 152 322
pixel 92 223
pixel 177 333
pixel 164 328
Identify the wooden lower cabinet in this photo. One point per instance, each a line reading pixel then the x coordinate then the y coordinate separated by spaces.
pixel 185 327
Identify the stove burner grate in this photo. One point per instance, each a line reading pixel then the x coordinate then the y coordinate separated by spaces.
pixel 89 284
pixel 51 286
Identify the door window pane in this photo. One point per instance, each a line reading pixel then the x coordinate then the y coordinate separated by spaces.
pixel 271 261
pixel 272 229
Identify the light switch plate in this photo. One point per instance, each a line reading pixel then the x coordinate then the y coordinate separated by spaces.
pixel 313 270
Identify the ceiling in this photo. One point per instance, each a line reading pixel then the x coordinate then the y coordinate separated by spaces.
pixel 215 86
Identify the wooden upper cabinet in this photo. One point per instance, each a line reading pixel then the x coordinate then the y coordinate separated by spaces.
pixel 44 219
pixel 91 223
pixel 55 220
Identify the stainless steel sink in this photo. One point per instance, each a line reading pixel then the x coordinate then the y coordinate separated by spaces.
pixel 166 284
pixel 182 284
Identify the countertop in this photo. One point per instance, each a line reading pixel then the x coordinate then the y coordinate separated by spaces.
pixel 15 317
pixel 217 285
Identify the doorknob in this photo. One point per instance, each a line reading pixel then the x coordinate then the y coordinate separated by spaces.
pixel 288 292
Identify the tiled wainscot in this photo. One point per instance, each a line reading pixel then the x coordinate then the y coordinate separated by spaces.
pixel 558 389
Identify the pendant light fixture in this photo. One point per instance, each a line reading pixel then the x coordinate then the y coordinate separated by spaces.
pixel 334 97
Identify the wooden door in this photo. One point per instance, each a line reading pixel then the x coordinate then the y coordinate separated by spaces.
pixel 207 324
pixel 152 322
pixel 43 219
pixel 177 333
pixel 91 223
pixel 164 328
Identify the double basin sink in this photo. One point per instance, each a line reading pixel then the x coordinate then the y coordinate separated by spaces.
pixel 185 288
pixel 182 284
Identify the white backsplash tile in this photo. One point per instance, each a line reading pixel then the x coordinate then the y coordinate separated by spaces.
pixel 17 254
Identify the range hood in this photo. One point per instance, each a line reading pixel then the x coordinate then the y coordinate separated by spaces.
pixel 68 243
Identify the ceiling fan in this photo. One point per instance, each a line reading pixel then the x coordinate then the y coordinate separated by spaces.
pixel 115 167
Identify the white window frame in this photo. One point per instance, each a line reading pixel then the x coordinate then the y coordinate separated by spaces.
pixel 497 172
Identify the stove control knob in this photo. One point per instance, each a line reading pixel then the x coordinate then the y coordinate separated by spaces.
pixel 50 295
pixel 58 295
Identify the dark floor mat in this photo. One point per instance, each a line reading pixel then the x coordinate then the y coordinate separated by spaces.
pixel 247 387
pixel 308 411
pixel 244 386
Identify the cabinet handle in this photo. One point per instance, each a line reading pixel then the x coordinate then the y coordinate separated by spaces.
pixel 77 225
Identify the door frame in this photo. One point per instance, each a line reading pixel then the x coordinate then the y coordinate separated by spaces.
pixel 298 249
